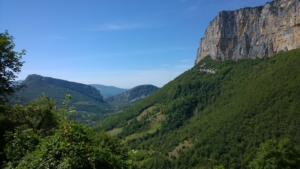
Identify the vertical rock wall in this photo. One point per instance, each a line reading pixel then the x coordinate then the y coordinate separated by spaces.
pixel 252 32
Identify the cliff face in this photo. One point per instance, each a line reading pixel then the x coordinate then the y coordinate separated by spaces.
pixel 253 32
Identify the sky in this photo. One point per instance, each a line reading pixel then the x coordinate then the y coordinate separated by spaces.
pixel 122 43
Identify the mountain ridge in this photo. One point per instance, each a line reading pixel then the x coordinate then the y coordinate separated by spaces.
pixel 82 88
pixel 131 96
pixel 86 100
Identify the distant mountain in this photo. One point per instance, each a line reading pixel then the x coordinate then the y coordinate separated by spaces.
pixel 131 96
pixel 86 98
pixel 19 81
pixel 107 91
pixel 81 88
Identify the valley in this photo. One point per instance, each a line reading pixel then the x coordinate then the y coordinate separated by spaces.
pixel 88 102
pixel 237 107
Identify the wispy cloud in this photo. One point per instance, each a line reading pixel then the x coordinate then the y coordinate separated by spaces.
pixel 196 5
pixel 119 26
pixel 192 8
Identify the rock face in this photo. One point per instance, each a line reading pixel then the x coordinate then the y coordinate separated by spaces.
pixel 253 32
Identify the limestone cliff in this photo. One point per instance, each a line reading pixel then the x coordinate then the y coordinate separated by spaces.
pixel 252 32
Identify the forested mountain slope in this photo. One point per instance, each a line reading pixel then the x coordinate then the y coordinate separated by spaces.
pixel 87 100
pixel 108 91
pixel 130 97
pixel 217 113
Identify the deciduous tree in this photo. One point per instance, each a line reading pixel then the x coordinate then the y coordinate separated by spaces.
pixel 275 154
pixel 10 64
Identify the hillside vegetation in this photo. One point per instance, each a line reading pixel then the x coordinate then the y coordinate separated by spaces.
pixel 130 97
pixel 215 114
pixel 39 136
pixel 87 102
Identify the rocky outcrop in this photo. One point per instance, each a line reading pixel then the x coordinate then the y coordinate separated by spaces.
pixel 253 32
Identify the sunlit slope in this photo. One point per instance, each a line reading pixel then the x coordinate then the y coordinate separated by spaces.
pixel 217 113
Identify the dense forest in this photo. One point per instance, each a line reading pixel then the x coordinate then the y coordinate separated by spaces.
pixel 39 135
pixel 218 114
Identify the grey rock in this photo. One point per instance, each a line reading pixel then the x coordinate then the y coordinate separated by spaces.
pixel 252 32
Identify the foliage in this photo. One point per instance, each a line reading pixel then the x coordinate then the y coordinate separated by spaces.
pixel 20 143
pixel 72 147
pixel 39 115
pixel 36 143
pixel 225 115
pixel 38 119
pixel 274 154
pixel 10 65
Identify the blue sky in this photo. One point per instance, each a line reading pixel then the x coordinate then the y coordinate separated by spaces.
pixel 122 43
